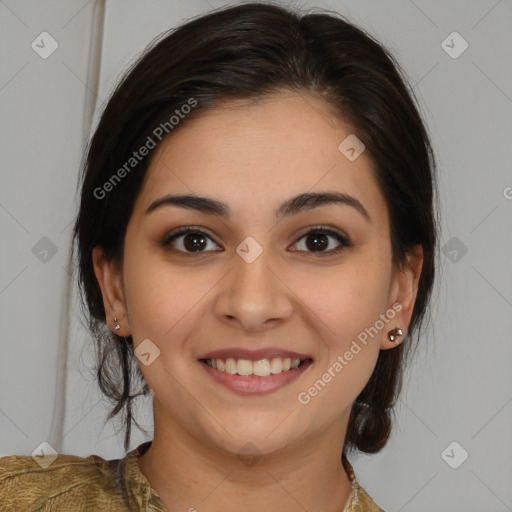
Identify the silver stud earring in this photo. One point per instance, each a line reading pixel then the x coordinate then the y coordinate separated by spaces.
pixel 117 327
pixel 394 333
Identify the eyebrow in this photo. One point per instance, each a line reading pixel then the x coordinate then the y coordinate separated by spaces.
pixel 293 206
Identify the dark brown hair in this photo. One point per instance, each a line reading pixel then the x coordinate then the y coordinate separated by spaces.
pixel 247 52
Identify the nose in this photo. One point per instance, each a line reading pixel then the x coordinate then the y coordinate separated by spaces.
pixel 254 295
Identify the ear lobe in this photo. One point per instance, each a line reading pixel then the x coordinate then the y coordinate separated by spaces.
pixel 110 281
pixel 404 289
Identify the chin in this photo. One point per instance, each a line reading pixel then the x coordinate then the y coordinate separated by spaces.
pixel 254 434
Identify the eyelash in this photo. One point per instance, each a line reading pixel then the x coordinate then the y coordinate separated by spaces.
pixel 319 230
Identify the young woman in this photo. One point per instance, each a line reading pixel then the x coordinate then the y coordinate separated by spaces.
pixel 255 243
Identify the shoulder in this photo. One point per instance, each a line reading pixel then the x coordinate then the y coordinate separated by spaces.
pixel 68 483
pixel 359 500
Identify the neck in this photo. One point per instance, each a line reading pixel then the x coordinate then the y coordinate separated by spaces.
pixel 189 475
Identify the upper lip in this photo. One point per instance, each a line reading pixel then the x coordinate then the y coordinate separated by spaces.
pixel 253 355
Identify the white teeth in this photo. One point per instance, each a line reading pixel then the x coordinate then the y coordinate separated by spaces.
pixel 244 367
pixel 276 365
pixel 261 368
pixel 231 366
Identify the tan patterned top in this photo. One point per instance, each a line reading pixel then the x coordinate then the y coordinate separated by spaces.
pixel 93 483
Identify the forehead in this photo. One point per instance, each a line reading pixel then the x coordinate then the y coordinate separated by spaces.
pixel 265 150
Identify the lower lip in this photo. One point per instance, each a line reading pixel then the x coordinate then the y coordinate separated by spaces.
pixel 245 385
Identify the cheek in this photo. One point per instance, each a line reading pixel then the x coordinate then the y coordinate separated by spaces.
pixel 165 302
pixel 349 300
pixel 156 297
pixel 162 305
pixel 348 307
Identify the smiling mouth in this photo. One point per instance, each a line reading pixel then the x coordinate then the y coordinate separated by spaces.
pixel 260 368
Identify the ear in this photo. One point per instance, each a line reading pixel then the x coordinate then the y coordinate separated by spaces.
pixel 402 297
pixel 110 280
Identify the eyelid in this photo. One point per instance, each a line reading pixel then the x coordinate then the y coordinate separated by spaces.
pixel 343 239
pixel 324 228
pixel 184 230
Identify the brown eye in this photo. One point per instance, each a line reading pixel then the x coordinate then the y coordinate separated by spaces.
pixel 322 241
pixel 190 241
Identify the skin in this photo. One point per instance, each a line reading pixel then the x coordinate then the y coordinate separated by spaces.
pixel 254 156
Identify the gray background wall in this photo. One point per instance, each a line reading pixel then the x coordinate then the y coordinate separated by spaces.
pixel 459 387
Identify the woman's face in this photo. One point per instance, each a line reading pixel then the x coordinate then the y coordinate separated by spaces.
pixel 261 276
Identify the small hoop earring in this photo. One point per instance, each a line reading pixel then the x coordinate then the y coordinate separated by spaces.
pixel 394 333
pixel 117 327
